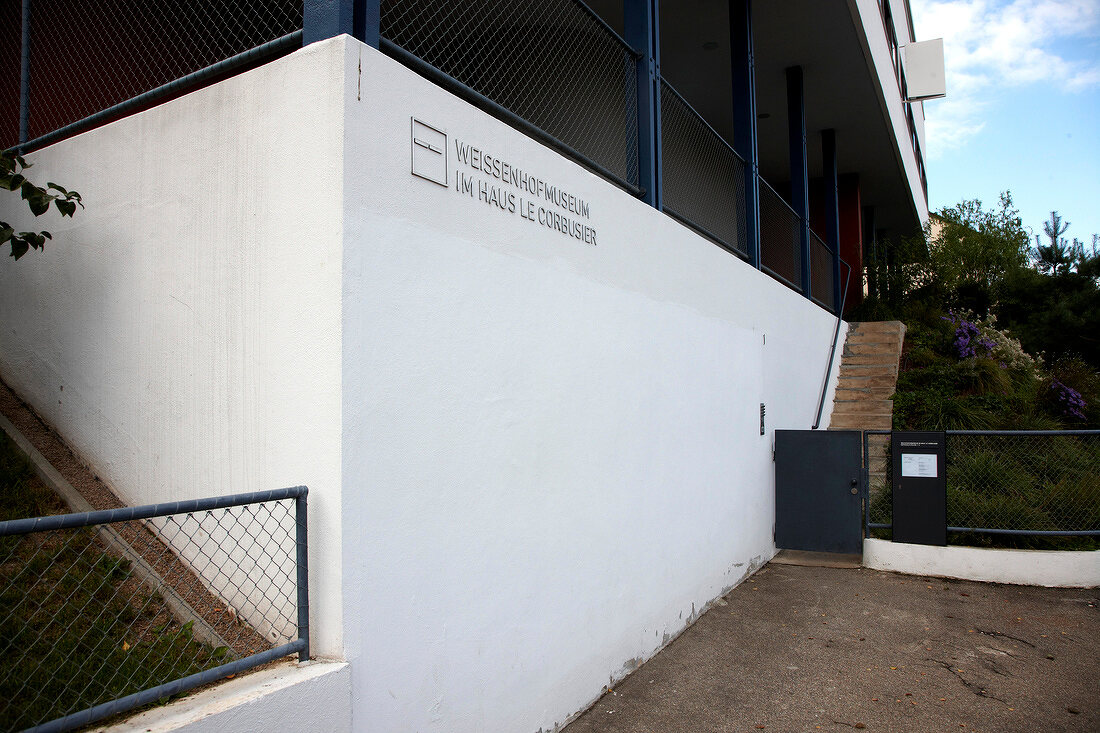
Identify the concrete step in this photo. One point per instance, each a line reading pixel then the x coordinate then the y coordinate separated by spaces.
pixel 869 370
pixel 860 422
pixel 890 327
pixel 873 347
pixel 856 381
pixel 863 407
pixel 843 393
pixel 866 359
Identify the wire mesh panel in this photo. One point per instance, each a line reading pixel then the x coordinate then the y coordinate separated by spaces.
pixel 95 613
pixel 780 241
pixel 821 272
pixel 880 494
pixel 548 61
pixel 1021 482
pixel 88 56
pixel 11 19
pixel 703 178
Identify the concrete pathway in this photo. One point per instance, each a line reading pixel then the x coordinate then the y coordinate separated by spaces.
pixel 813 648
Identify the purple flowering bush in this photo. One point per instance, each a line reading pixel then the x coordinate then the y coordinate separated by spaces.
pixel 1068 399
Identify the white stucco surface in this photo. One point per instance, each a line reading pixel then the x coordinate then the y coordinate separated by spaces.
pixel 183 331
pixel 868 18
pixel 551 449
pixel 310 698
pixel 1053 569
pixel 532 460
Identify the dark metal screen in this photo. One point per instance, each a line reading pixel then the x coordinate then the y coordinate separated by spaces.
pixel 11 14
pixel 821 272
pixel 703 177
pixel 88 56
pixel 550 62
pixel 780 241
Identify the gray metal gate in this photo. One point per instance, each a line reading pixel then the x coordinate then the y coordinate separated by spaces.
pixel 818 495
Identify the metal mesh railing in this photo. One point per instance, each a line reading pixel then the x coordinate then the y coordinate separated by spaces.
pixel 880 495
pixel 1016 488
pixel 86 57
pixel 11 14
pixel 821 272
pixel 1025 483
pixel 780 240
pixel 552 63
pixel 106 611
pixel 703 178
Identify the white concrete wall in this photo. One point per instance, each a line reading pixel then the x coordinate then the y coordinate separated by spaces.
pixel 310 698
pixel 183 331
pixel 1053 569
pixel 551 454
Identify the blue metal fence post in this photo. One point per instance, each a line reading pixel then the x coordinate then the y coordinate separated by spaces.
pixel 832 208
pixel 25 76
pixel 643 34
pixel 322 19
pixel 744 118
pixel 800 179
pixel 302 563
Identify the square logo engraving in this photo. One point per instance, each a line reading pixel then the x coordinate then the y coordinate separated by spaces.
pixel 429 152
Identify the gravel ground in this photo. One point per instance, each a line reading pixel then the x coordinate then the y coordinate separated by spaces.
pixel 811 648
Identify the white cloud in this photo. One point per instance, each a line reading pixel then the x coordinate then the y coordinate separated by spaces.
pixel 996 44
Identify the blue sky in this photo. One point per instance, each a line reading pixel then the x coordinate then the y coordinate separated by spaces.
pixel 1022 111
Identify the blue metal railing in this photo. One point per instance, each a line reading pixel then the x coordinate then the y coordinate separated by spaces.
pixel 20 528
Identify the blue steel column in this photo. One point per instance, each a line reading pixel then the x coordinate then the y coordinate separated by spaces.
pixel 744 118
pixel 324 19
pixel 800 178
pixel 643 34
pixel 832 208
pixel 25 76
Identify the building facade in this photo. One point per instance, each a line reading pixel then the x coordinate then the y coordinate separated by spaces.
pixel 520 291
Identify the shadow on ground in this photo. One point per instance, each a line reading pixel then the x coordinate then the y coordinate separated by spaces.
pixel 812 648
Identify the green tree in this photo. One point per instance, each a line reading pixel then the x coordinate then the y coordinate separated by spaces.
pixel 13 178
pixel 974 249
pixel 1059 256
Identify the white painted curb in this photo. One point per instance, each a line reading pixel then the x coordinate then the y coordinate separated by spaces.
pixel 315 696
pixel 1049 568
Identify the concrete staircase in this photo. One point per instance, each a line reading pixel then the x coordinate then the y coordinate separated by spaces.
pixel 868 376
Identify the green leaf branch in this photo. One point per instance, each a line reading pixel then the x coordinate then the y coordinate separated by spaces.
pixel 13 178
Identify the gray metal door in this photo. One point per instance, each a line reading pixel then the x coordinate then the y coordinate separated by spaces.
pixel 818 500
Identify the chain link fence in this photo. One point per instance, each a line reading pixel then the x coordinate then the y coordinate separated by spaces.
pixel 1028 489
pixel 106 611
pixel 780 237
pixel 1023 483
pixel 555 64
pixel 86 57
pixel 703 177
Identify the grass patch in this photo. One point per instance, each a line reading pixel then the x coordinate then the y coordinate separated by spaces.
pixel 79 627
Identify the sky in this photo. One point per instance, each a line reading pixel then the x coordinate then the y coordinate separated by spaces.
pixel 1022 111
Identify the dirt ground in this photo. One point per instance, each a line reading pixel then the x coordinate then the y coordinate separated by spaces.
pixel 813 648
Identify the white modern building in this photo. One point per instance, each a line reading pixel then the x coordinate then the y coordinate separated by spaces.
pixel 519 291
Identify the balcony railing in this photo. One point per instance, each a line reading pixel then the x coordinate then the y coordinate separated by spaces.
pixel 120 58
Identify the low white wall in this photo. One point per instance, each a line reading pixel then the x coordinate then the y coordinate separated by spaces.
pixel 1053 569
pixel 183 331
pixel 552 454
pixel 315 697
